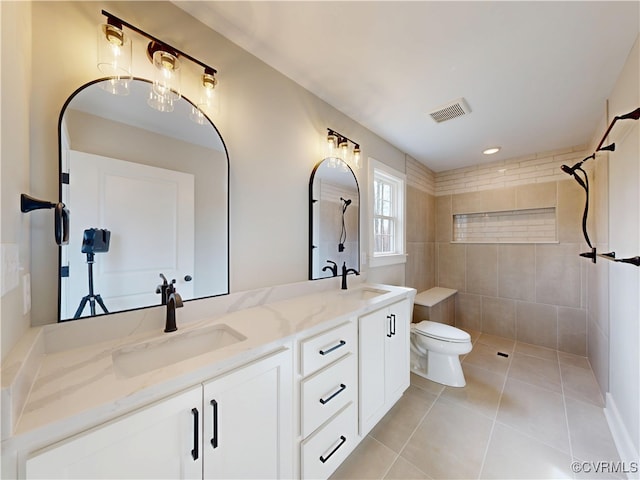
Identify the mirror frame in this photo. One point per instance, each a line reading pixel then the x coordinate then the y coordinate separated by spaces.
pixel 60 183
pixel 312 201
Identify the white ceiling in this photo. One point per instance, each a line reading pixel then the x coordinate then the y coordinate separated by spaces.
pixel 535 74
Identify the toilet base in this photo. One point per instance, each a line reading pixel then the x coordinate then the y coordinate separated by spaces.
pixel 439 368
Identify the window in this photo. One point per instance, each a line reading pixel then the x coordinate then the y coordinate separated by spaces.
pixel 387 215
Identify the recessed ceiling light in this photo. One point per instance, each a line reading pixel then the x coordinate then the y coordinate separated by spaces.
pixel 491 151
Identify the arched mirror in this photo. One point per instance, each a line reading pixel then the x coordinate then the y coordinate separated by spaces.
pixel 148 193
pixel 334 219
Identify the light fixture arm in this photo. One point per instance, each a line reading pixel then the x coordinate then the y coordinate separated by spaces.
pixel 112 18
pixel 342 137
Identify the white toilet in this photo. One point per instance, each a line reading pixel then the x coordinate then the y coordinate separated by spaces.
pixel 435 350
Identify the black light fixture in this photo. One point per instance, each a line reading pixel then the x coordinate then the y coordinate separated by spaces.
pixel 337 149
pixel 165 58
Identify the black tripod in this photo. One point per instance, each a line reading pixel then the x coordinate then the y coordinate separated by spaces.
pixel 91 298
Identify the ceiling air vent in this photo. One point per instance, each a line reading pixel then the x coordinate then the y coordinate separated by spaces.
pixel 453 109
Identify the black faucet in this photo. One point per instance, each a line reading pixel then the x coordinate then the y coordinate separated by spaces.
pixel 162 290
pixel 345 272
pixel 333 268
pixel 174 300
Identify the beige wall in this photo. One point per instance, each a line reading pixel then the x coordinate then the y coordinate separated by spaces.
pixel 420 267
pixel 15 83
pixel 530 292
pixel 623 397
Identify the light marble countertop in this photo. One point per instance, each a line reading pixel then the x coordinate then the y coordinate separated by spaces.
pixel 58 382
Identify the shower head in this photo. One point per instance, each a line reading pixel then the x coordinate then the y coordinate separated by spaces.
pixel 346 202
pixel 571 170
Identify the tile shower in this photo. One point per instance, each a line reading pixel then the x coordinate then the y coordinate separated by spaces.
pixel 531 292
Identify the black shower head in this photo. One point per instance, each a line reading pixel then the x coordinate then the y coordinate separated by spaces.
pixel 346 202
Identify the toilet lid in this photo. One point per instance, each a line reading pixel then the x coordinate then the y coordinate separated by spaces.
pixel 441 331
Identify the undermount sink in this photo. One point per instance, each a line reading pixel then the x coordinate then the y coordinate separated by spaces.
pixel 134 360
pixel 364 293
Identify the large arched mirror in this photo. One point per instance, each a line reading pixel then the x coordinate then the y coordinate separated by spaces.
pixel 148 193
pixel 334 219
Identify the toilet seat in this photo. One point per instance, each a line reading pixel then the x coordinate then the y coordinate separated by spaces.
pixel 441 331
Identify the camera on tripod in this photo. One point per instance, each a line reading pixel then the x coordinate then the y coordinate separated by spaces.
pixel 96 240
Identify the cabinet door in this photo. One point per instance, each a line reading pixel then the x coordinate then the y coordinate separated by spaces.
pixel 373 331
pixel 397 368
pixel 248 421
pixel 160 441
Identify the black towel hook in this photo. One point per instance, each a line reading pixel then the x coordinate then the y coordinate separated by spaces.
pixel 60 214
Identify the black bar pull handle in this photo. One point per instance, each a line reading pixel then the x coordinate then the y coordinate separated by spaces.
pixel 393 316
pixel 214 438
pixel 335 347
pixel 389 334
pixel 196 425
pixel 342 440
pixel 333 395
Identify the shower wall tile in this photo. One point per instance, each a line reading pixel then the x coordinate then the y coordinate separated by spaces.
pixel 497 200
pixel 482 269
pixel 451 266
pixel 499 316
pixel 558 275
pixel 536 195
pixel 516 272
pixel 468 311
pixel 537 323
pixel 572 330
pixel 444 219
pixel 570 207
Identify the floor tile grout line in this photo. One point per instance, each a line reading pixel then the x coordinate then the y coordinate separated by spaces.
pixel 493 425
pixel 414 431
pixel 566 415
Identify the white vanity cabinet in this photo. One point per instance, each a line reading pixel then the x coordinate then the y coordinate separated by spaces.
pixel 246 433
pixel 248 421
pixel 383 361
pixel 159 441
pixel 328 392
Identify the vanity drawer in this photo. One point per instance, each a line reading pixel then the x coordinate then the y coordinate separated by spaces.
pixel 324 348
pixel 326 392
pixel 328 447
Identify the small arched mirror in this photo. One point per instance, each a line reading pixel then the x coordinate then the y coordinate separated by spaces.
pixel 334 219
pixel 158 183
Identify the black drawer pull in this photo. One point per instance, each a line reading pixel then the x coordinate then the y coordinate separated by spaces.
pixel 393 332
pixel 335 347
pixel 214 439
pixel 390 332
pixel 342 440
pixel 196 425
pixel 341 389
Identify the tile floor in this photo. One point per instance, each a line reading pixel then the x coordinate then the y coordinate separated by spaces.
pixel 526 416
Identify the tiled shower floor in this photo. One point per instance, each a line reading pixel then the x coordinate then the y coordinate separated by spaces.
pixel 526 416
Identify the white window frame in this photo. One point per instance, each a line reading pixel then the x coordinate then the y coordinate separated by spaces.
pixel 398 179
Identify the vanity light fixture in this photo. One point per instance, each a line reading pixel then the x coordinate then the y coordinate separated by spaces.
pixel 491 151
pixel 114 56
pixel 338 149
pixel 166 59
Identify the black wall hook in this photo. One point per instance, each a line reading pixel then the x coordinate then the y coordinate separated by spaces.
pixel 60 214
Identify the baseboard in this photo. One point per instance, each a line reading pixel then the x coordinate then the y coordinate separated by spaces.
pixel 621 437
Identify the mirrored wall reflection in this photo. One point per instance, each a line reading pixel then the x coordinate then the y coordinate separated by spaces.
pixel 148 194
pixel 334 219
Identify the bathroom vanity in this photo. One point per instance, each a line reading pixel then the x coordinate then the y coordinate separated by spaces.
pixel 285 388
